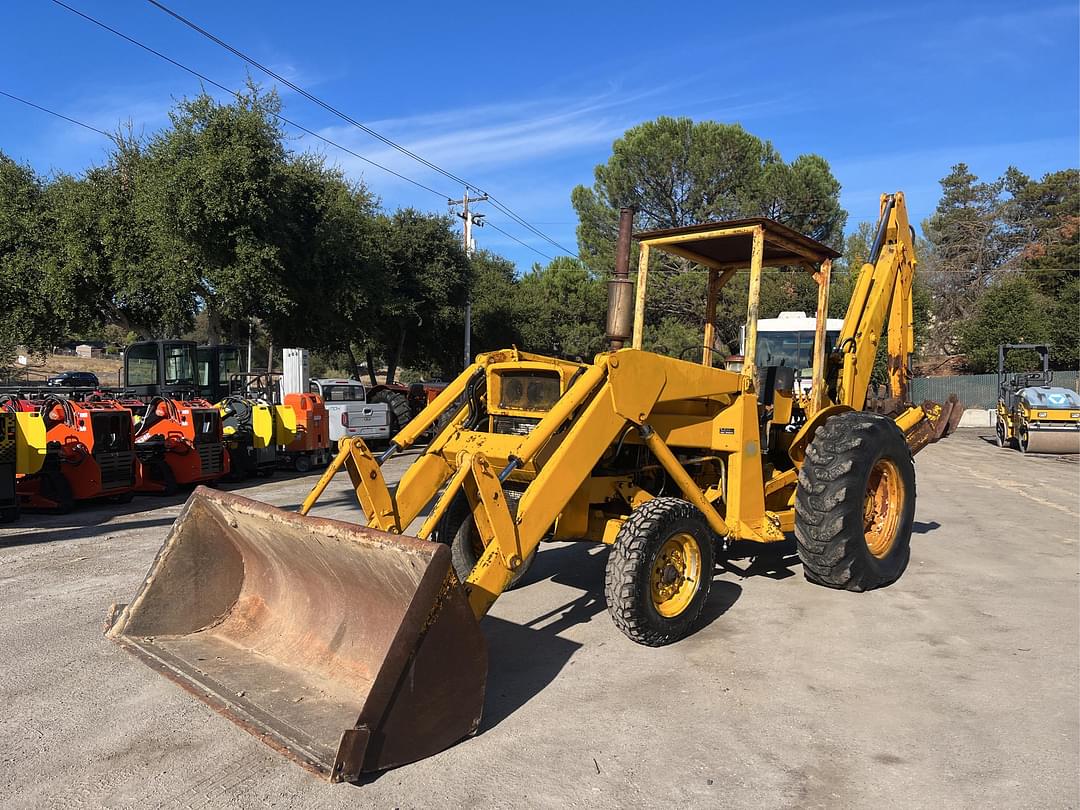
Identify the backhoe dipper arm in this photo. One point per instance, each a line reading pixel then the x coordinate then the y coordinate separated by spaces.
pixel 883 291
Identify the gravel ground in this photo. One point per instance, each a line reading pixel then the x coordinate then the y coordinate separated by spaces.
pixel 956 687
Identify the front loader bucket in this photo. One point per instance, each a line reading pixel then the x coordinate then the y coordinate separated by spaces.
pixel 346 648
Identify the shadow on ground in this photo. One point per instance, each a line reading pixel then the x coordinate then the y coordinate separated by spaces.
pixel 525 657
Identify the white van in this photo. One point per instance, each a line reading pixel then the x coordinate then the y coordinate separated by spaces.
pixel 350 413
pixel 788 340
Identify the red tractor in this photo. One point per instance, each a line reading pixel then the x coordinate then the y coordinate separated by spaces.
pixel 404 401
pixel 179 442
pixel 90 453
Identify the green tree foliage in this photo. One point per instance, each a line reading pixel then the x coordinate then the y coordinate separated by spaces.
pixel 674 172
pixel 421 301
pixel 24 312
pixel 981 232
pixel 329 245
pixel 561 308
pixel 1011 311
pixel 220 181
pixel 1048 212
pixel 494 296
pixel 1063 327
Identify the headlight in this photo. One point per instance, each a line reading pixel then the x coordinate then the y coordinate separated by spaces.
pixel 528 390
pixel 1042 414
pixel 1074 415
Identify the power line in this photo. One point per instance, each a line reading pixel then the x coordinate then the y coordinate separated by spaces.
pixel 102 132
pixel 235 93
pixel 58 115
pixel 523 244
pixel 349 119
pixel 295 125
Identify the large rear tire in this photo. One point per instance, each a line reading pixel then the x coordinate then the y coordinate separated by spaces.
pixel 398 403
pixel 855 503
pixel 458 530
pixel 659 571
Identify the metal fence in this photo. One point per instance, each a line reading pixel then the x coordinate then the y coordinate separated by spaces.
pixel 975 390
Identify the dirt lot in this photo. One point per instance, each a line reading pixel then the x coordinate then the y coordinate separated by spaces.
pixel 956 687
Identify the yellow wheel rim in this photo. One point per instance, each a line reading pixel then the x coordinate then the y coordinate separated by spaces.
pixel 883 506
pixel 676 575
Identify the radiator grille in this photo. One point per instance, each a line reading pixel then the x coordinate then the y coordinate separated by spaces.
pixel 212 458
pixel 117 469
pixel 7 438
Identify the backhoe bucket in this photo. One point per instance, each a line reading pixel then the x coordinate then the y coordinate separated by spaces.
pixel 346 648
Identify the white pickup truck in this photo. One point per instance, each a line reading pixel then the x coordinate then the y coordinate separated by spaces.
pixel 349 412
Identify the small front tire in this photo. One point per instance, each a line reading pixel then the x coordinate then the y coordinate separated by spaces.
pixel 458 530
pixel 659 571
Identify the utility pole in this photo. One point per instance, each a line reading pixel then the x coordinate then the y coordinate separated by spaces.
pixel 470 220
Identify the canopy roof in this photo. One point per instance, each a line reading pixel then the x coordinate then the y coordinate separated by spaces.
pixel 729 244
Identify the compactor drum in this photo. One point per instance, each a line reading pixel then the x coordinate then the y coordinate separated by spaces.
pixel 357 648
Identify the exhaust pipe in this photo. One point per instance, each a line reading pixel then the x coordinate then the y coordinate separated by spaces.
pixel 620 315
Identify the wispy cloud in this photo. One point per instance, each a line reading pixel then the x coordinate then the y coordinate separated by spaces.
pixel 916 172
pixel 1007 37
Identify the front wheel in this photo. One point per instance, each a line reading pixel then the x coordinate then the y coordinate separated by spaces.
pixel 457 529
pixel 855 503
pixel 1000 431
pixel 659 571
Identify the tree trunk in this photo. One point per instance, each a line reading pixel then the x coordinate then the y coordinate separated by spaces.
pixel 394 357
pixel 213 327
pixel 352 361
pixel 370 367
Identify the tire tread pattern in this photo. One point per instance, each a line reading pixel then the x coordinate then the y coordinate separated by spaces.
pixel 829 502
pixel 627 579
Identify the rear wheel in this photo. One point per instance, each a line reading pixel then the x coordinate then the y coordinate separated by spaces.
pixel 458 530
pixel 302 463
pixel 398 403
pixel 855 503
pixel 659 571
pixel 9 514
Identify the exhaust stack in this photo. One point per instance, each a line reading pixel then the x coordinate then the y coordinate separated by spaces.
pixel 620 318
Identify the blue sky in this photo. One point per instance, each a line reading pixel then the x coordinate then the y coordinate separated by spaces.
pixel 525 99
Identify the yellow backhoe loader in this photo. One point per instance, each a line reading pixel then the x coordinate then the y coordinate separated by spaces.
pixel 357 648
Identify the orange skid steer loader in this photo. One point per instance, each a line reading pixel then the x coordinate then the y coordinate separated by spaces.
pixel 356 648
pixel 179 442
